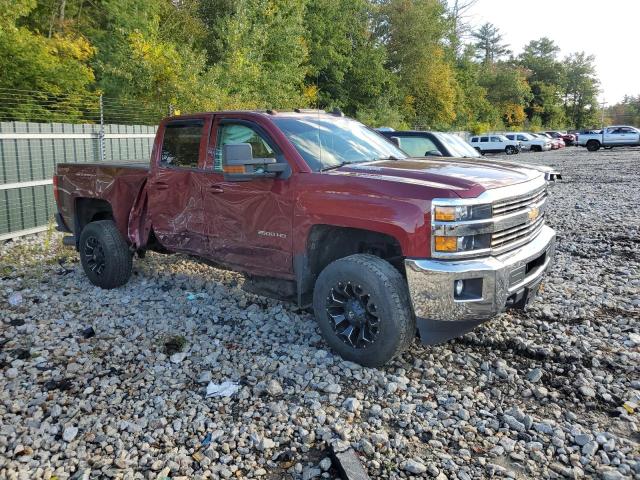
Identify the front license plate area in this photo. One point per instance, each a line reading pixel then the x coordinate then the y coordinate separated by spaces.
pixel 522 297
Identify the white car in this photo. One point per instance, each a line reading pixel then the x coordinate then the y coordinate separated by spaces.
pixel 530 142
pixel 494 143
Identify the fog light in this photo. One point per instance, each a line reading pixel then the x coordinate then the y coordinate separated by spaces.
pixel 458 287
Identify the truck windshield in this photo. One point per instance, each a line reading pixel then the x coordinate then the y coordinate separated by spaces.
pixel 327 142
pixel 457 146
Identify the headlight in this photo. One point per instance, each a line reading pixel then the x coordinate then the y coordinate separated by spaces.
pixel 461 212
pixel 462 244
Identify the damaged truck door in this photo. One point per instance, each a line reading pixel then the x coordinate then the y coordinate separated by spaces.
pixel 248 199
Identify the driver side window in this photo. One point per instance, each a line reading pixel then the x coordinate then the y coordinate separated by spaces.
pixel 231 133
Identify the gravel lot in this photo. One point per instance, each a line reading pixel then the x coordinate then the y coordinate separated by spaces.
pixel 549 393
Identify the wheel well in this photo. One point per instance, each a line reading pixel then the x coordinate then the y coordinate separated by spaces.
pixel 327 243
pixel 90 210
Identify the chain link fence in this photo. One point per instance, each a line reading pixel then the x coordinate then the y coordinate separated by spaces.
pixel 38 130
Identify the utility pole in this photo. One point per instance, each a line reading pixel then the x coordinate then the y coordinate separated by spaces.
pixel 602 104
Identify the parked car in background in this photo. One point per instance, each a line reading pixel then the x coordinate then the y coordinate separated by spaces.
pixel 532 143
pixel 423 144
pixel 614 136
pixel 569 138
pixel 556 143
pixel 495 143
pixel 451 145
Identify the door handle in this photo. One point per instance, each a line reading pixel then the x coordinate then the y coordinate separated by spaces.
pixel 215 189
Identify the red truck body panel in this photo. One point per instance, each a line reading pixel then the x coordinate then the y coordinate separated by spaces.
pixel 259 226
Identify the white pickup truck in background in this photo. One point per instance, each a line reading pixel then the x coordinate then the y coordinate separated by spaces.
pixel 615 136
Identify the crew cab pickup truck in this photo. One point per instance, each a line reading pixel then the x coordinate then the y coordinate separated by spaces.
pixel 616 136
pixel 318 209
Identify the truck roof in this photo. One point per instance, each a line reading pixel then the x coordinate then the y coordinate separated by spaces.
pixel 298 112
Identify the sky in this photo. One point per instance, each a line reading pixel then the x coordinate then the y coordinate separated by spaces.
pixel 608 30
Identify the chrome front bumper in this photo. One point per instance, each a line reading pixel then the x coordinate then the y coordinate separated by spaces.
pixel 507 280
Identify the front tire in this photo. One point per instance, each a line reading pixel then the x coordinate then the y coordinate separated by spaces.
pixel 593 145
pixel 105 255
pixel 510 150
pixel 362 306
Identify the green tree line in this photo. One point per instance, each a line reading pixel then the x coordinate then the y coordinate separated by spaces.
pixel 400 63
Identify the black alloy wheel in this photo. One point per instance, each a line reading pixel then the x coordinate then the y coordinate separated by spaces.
pixel 94 255
pixel 362 306
pixel 354 315
pixel 105 254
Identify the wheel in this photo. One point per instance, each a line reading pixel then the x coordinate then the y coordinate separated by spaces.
pixel 510 150
pixel 536 148
pixel 105 255
pixel 362 306
pixel 593 145
pixel 479 151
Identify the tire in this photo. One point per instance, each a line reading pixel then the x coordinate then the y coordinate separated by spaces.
pixel 105 255
pixel 536 148
pixel 593 145
pixel 479 151
pixel 378 305
pixel 510 150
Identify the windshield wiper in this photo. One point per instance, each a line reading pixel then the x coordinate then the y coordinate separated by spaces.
pixel 333 167
pixel 390 157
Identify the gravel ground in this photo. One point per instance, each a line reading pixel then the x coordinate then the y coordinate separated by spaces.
pixel 552 392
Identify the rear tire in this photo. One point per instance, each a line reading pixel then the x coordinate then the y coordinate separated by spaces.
pixel 536 148
pixel 105 255
pixel 593 145
pixel 362 306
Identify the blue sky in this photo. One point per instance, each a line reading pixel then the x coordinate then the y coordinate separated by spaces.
pixel 608 30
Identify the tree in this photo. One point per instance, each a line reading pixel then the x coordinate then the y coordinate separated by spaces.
pixel 264 55
pixel 346 63
pixel 508 90
pixel 414 32
pixel 56 67
pixel 580 90
pixel 458 13
pixel 546 78
pixel 488 44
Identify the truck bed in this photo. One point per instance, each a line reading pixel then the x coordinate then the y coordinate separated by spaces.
pixel 119 184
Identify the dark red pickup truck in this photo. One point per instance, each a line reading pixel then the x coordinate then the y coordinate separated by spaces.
pixel 318 209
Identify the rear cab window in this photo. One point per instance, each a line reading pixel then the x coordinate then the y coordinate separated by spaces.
pixel 417 146
pixel 181 143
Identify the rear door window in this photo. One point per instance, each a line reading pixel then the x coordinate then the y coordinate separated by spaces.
pixel 181 143
pixel 484 139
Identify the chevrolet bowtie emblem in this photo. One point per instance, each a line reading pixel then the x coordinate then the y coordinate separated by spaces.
pixel 533 213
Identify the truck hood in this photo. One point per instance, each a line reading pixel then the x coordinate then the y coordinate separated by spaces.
pixel 465 177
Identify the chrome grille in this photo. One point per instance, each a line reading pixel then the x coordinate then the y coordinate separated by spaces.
pixel 510 236
pixel 520 203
